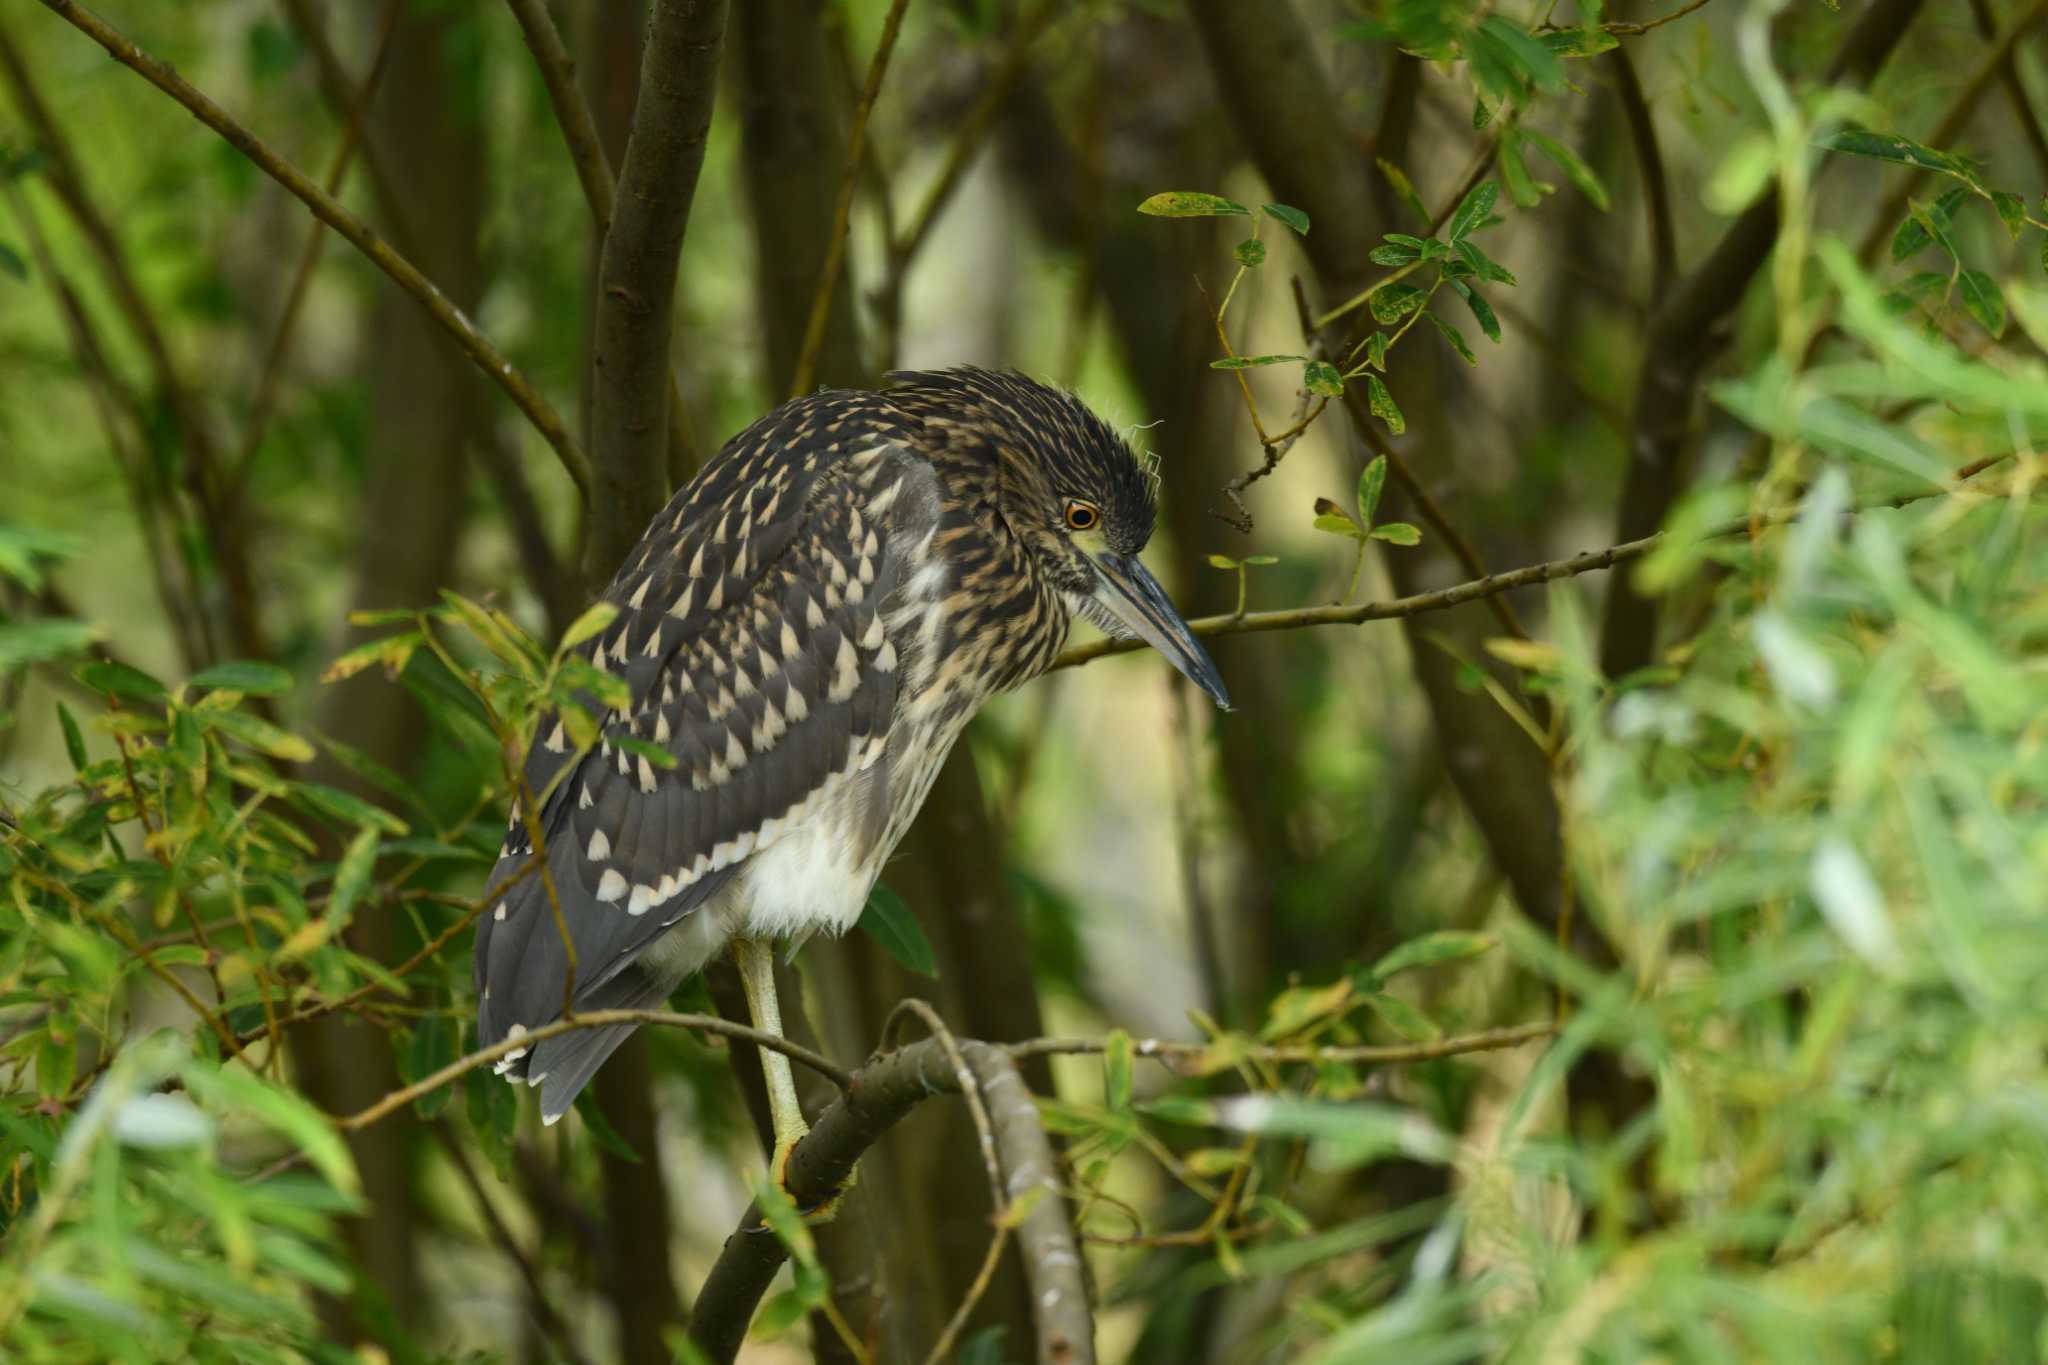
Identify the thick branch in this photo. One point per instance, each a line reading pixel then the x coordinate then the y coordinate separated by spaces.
pixel 637 276
pixel 881 1093
pixel 1684 337
pixel 402 271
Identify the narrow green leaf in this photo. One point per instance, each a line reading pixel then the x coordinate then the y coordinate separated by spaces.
pixel 1397 533
pixel 1116 1070
pixel 74 738
pixel 432 1047
pixel 352 877
pixel 644 748
pixel 261 735
pixel 1446 945
pixel 1483 265
pixel 1394 302
pixel 1590 41
pixel 1473 210
pixel 1574 167
pixel 1983 301
pixel 106 675
pixel 245 675
pixel 2012 211
pixel 1535 61
pixel 1246 362
pixel 1222 562
pixel 1482 311
pixel 1404 189
pixel 1523 188
pixel 1293 217
pixel 1452 335
pixel 1383 406
pixel 1901 150
pixel 1191 204
pixel 1390 253
pixel 595 618
pixel 1260 561
pixel 348 808
pixel 1321 377
pixel 1250 252
pixel 890 923
pixel 1372 481
pixel 1403 1018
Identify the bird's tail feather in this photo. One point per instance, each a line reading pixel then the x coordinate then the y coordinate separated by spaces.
pixel 561 1066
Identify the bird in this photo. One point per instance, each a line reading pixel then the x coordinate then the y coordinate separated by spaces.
pixel 804 629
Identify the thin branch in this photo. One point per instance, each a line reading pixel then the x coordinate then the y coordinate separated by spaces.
pixel 308 20
pixel 270 382
pixel 1295 618
pixel 849 180
pixel 703 1023
pixel 1642 134
pixel 1167 1053
pixel 550 1321
pixel 407 276
pixel 630 380
pixel 572 112
pixel 960 154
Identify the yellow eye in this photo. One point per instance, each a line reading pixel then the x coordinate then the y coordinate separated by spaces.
pixel 1082 516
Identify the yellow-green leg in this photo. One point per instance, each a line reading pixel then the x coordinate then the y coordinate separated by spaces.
pixel 757 973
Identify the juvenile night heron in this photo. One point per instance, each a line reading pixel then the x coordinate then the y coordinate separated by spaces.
pixel 806 627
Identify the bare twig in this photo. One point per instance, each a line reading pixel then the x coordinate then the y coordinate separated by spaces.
pixel 849 180
pixel 1642 133
pixel 1488 1040
pixel 269 383
pixel 1443 599
pixel 474 343
pixel 550 1321
pixel 703 1023
pixel 572 112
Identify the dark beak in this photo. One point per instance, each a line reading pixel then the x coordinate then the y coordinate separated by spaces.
pixel 1134 597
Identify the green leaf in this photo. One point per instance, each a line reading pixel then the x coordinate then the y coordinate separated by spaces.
pixel 1404 188
pixel 1391 253
pixel 244 675
pixel 1116 1070
pixel 647 749
pixel 1403 1018
pixel 1481 310
pixel 1452 335
pixel 11 262
pixel 34 642
pixel 2012 211
pixel 74 738
pixel 432 1047
pixel 1372 481
pixel 1483 265
pixel 1250 252
pixel 261 735
pixel 1246 362
pixel 352 877
pixel 1397 533
pixel 1446 945
pixel 1342 526
pixel 1926 225
pixel 106 675
pixel 1260 561
pixel 1575 169
pixel 1473 211
pixel 889 922
pixel 1223 562
pixel 1383 406
pixel 1983 301
pixel 348 808
pixel 1191 204
pixel 1376 351
pixel 1590 41
pixel 595 618
pixel 1900 150
pixel 1289 215
pixel 1321 377
pixel 1523 188
pixel 1503 54
pixel 1395 301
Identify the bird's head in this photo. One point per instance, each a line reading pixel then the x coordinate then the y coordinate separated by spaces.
pixel 1075 493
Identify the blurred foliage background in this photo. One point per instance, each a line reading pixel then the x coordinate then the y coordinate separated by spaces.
pixel 1739 830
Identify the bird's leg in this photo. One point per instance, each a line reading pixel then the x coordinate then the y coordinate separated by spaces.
pixel 757 973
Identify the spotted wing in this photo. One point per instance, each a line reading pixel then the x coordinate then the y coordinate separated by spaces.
pixel 750 637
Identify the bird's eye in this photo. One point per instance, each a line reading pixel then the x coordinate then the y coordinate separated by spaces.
pixel 1082 516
